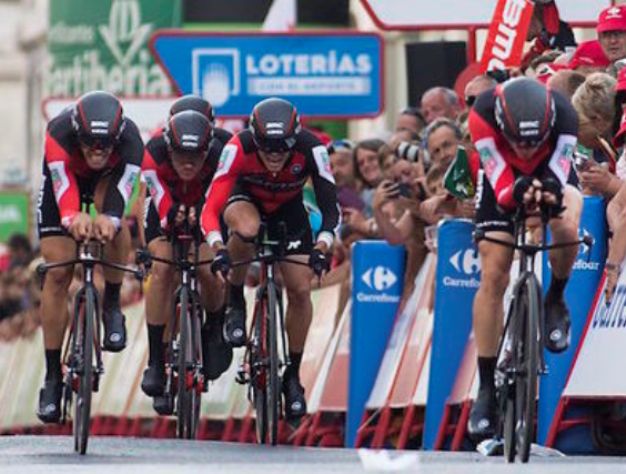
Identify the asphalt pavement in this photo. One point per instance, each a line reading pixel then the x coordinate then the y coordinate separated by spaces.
pixel 54 454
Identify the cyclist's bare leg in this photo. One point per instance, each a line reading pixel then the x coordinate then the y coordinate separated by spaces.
pixel 495 263
pixel 565 229
pixel 297 281
pixel 160 291
pixel 54 297
pixel 242 218
pixel 211 288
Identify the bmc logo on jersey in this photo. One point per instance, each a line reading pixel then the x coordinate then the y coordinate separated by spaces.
pixel 466 261
pixel 379 278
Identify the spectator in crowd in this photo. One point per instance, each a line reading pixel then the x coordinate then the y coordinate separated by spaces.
pixel 342 166
pixel 20 250
pixel 368 168
pixel 566 82
pixel 611 31
pixel 442 138
pixel 439 102
pixel 594 102
pixel 589 57
pixel 477 86
pixel 410 119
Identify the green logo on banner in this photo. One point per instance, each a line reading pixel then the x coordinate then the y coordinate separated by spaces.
pixel 14 214
pixel 105 46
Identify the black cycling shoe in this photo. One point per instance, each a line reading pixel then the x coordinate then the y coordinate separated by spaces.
pixel 153 382
pixel 557 325
pixel 114 330
pixel 50 401
pixel 234 329
pixel 163 405
pixel 483 418
pixel 217 354
pixel 295 402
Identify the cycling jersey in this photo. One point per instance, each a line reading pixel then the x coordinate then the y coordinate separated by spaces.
pixel 165 186
pixel 223 136
pixel 500 163
pixel 240 164
pixel 64 166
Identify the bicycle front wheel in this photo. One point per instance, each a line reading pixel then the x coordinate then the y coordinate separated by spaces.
pixel 87 315
pixel 186 422
pixel 273 384
pixel 527 364
pixel 258 379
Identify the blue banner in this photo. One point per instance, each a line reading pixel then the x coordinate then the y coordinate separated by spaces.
pixel 324 74
pixel 456 282
pixel 377 281
pixel 579 295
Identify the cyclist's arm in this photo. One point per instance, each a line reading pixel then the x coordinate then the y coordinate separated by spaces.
pixel 64 181
pixel 325 194
pixel 125 174
pixel 158 189
pixel 566 131
pixel 230 164
pixel 498 171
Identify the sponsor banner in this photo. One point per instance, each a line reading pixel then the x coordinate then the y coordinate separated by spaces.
pixel 507 35
pixel 377 277
pixel 328 74
pixel 423 14
pixel 579 295
pixel 105 47
pixel 14 214
pixel 456 282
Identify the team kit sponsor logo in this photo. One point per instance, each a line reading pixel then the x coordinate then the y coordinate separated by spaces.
pixel 379 280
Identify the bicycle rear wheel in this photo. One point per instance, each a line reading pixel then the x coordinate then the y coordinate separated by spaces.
pixel 273 385
pixel 527 364
pixel 84 333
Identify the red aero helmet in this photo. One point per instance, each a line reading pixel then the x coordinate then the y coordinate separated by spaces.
pixel 98 119
pixel 188 131
pixel 274 124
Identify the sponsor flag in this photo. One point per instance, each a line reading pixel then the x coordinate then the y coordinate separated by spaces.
pixel 458 177
pixel 507 34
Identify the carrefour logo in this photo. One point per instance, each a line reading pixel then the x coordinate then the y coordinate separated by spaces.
pixel 467 263
pixel 380 279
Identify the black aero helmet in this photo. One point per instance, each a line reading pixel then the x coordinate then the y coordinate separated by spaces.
pixel 524 111
pixel 98 119
pixel 188 131
pixel 193 102
pixel 274 124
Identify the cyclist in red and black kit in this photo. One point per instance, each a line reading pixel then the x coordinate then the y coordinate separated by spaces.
pixel 260 176
pixel 525 136
pixel 91 152
pixel 178 165
pixel 193 102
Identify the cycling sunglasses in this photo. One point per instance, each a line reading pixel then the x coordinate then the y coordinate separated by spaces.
pixel 96 143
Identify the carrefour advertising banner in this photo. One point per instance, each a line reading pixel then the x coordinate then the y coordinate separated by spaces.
pixel 103 45
pixel 14 214
pixel 456 281
pixel 377 282
pixel 328 74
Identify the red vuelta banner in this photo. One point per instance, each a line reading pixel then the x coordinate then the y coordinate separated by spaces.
pixel 507 34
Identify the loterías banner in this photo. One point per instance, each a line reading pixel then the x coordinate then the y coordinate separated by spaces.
pixel 507 34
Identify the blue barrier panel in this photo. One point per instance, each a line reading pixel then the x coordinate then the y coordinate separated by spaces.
pixel 456 282
pixel 377 280
pixel 579 295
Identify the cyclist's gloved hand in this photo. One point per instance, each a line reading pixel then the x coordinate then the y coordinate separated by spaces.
pixel 221 262
pixel 318 262
pixel 552 196
pixel 520 187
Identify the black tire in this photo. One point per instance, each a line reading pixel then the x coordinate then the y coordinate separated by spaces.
pixel 527 363
pixel 84 334
pixel 507 390
pixel 258 379
pixel 184 396
pixel 273 382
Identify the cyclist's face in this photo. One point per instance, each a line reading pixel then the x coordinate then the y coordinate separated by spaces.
pixel 96 158
pixel 274 161
pixel 187 164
